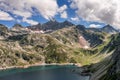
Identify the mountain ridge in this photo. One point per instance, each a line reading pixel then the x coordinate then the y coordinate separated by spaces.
pixel 55 25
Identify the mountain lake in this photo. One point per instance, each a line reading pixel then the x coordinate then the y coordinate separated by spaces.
pixel 46 72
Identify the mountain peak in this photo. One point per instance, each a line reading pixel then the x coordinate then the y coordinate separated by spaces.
pixel 108 26
pixel 80 27
pixel 51 25
pixel 39 24
pixel 51 22
pixel 68 23
pixel 109 29
pixel 17 26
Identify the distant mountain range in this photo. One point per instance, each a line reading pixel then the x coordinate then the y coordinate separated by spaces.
pixel 49 27
pixel 55 25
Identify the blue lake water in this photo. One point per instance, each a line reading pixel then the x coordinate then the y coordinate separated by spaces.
pixel 50 72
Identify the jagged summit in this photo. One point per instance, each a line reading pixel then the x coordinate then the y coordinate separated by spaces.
pixel 68 23
pixel 51 25
pixel 35 27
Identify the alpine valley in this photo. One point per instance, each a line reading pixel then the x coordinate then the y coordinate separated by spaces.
pixel 97 50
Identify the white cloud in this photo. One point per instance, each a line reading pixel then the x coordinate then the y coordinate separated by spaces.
pixel 23 14
pixel 75 19
pixel 27 8
pixel 5 16
pixel 29 21
pixel 18 21
pixel 47 8
pixel 94 26
pixel 63 12
pixel 106 11
pixel 62 8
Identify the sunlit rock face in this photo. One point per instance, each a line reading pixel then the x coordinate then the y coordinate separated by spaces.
pixel 83 42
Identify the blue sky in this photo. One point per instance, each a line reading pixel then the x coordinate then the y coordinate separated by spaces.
pixel 85 12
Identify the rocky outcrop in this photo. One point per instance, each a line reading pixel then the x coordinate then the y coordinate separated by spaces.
pixel 83 43
pixel 4 32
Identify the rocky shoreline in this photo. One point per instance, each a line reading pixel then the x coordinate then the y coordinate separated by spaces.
pixel 82 71
pixel 37 64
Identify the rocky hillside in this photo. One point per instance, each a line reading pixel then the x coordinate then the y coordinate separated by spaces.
pixel 3 31
pixel 108 68
pixel 113 71
pixel 23 46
